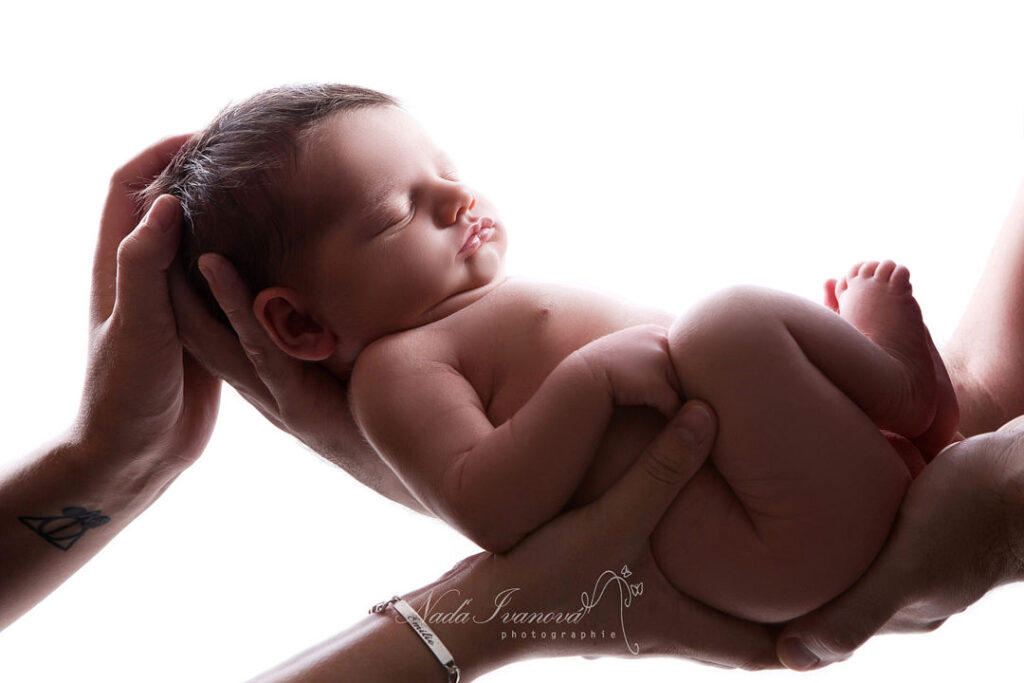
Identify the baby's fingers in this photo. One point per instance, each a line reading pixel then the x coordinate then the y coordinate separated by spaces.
pixel 669 404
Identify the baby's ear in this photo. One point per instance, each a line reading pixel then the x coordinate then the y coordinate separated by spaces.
pixel 283 314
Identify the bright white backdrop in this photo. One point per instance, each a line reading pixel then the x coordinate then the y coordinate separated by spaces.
pixel 657 152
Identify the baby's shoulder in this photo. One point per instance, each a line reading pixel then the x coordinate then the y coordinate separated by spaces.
pixel 411 352
pixel 385 369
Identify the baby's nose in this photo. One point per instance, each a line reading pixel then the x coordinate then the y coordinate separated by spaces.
pixel 461 200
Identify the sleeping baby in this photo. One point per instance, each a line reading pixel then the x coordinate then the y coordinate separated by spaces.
pixel 498 402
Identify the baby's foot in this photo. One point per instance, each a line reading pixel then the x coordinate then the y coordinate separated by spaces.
pixel 943 429
pixel 877 299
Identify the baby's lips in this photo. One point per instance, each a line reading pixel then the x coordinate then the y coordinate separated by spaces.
pixel 486 222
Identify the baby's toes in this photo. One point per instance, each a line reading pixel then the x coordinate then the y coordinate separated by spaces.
pixel 885 270
pixel 830 295
pixel 898 280
pixel 867 269
pixel 901 277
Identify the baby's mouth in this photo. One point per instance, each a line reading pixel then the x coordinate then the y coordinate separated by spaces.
pixel 479 233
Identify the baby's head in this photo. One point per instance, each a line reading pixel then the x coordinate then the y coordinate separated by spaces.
pixel 339 212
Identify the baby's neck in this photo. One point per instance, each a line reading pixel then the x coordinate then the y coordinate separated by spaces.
pixel 459 301
pixel 341 362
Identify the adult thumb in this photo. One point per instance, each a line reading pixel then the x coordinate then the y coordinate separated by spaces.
pixel 143 258
pixel 832 633
pixel 638 501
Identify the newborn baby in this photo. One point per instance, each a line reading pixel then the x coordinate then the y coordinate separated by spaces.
pixel 499 402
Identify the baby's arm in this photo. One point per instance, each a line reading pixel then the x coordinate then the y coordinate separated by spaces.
pixel 496 484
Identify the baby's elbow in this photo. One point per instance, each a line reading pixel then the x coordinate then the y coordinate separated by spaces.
pixel 480 518
pixel 485 527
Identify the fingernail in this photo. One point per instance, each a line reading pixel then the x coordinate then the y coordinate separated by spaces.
pixel 160 214
pixel 696 421
pixel 207 272
pixel 796 656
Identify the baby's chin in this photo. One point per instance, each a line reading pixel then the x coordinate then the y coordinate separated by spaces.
pixel 488 263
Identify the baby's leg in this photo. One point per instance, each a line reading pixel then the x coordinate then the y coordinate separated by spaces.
pixel 801 488
pixel 872 280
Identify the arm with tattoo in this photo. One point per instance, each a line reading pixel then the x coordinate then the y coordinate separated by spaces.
pixel 146 413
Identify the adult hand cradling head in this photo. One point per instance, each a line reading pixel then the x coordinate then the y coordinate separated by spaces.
pixel 146 413
pixel 144 395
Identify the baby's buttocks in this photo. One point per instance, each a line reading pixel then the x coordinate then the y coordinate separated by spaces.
pixel 803 544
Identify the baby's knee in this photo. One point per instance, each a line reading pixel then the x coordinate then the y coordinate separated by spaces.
pixel 725 327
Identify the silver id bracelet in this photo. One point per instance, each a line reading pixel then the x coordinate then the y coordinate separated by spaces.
pixel 428 637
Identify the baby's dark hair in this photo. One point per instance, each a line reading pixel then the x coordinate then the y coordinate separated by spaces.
pixel 234 180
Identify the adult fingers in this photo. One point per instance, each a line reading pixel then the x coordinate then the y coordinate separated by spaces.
pixel 214 345
pixel 641 496
pixel 143 258
pixel 120 214
pixel 832 632
pixel 1014 425
pixel 202 403
pixel 272 366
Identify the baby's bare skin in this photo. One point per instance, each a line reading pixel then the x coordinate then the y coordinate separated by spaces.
pixel 800 490
pixel 509 341
pixel 497 403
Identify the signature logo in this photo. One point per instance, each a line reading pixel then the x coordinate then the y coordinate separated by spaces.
pixel 627 591
pixel 607 584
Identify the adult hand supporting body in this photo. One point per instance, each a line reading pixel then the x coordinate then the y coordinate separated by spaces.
pixel 575 553
pixel 146 413
pixel 959 533
pixel 551 567
pixel 985 359
pixel 961 527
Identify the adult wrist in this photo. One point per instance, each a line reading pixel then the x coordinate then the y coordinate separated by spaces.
pixel 484 609
pixel 454 607
pixel 125 476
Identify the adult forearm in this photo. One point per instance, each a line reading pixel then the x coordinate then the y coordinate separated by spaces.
pixel 59 506
pixel 375 649
pixel 382 647
pixel 489 611
pixel 985 355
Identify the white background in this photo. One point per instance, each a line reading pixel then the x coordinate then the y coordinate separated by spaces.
pixel 658 152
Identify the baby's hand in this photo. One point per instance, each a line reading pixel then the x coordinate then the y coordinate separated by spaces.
pixel 637 366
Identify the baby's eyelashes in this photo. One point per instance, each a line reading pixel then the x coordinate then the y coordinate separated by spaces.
pixel 395 222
